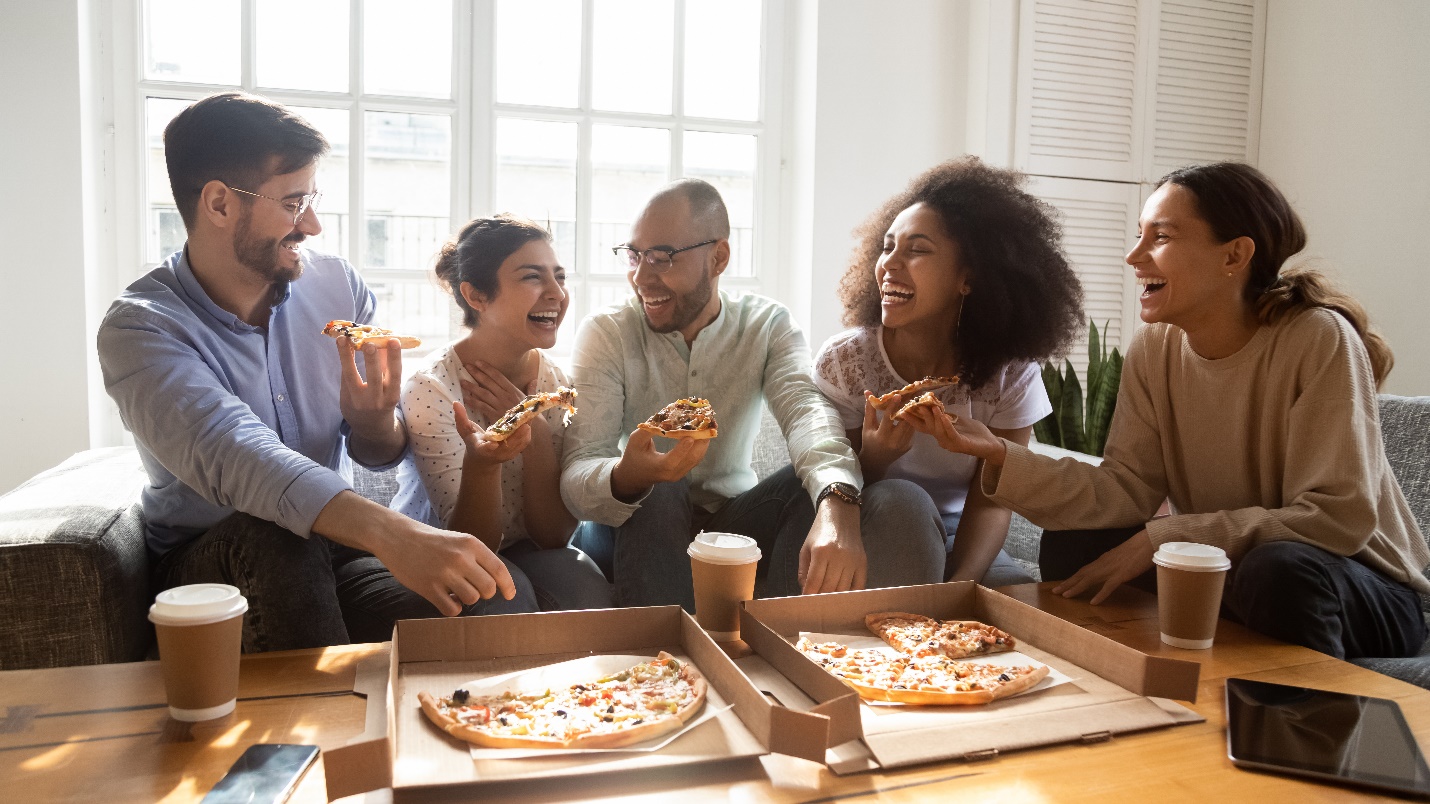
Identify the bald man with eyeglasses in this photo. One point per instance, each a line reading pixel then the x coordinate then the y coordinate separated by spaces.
pixel 645 497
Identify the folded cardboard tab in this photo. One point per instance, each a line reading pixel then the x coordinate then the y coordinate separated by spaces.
pixel 404 751
pixel 1109 694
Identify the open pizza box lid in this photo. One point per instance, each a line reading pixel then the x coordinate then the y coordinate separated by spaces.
pixel 401 749
pixel 1113 689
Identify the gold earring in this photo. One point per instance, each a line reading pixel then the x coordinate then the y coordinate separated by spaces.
pixel 1228 273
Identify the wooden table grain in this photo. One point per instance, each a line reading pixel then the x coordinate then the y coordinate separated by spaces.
pixel 102 733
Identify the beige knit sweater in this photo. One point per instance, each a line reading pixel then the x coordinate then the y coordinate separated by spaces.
pixel 1279 441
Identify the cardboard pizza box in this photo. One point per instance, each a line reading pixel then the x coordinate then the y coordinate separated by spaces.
pixel 1113 689
pixel 401 749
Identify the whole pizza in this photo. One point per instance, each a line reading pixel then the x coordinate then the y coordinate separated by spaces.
pixel 623 708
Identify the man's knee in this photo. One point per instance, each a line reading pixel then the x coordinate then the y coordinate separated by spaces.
pixel 1289 568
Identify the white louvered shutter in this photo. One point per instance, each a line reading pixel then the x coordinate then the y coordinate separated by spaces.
pixel 1207 91
pixel 1079 87
pixel 1098 221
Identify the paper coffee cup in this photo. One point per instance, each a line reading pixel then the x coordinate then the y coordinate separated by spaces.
pixel 200 631
pixel 722 567
pixel 1190 580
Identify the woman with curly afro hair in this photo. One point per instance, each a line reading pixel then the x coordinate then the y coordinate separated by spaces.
pixel 960 274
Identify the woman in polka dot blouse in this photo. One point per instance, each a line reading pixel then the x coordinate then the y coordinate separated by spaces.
pixel 503 274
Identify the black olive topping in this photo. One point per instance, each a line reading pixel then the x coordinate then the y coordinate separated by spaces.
pixel 502 720
pixel 608 718
pixel 460 696
pixel 638 721
pixel 1004 677
pixel 561 712
pixel 610 709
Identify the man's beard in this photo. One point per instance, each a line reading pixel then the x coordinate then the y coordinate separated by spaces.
pixel 260 255
pixel 688 306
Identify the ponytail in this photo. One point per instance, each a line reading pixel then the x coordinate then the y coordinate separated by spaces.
pixel 1298 289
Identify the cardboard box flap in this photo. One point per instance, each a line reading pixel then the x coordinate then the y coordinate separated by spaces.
pixel 365 763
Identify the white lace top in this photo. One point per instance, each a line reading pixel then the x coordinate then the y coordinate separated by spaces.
pixel 430 476
pixel 855 361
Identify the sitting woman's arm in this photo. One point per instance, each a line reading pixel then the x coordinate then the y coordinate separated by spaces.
pixel 479 499
pixel 983 528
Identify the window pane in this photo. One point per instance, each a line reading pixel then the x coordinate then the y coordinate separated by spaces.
pixel 538 52
pixel 633 55
pixel 722 59
pixel 413 305
pixel 332 180
pixel 408 189
pixel 627 165
pixel 728 162
pixel 407 48
pixel 164 227
pixel 303 45
pixel 536 177
pixel 188 41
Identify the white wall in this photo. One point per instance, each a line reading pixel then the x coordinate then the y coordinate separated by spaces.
pixel 1345 132
pixel 44 405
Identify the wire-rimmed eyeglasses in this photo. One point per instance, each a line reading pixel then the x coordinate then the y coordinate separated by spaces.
pixel 297 206
pixel 659 258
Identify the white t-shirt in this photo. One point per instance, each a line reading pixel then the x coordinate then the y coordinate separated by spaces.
pixel 431 475
pixel 855 361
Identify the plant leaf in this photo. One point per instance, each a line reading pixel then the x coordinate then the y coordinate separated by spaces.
pixel 1070 415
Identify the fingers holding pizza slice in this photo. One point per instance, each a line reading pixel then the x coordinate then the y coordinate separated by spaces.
pixel 684 418
pixel 362 333
pixel 920 387
pixel 928 400
pixel 531 407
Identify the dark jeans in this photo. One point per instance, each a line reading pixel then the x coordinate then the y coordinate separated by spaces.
pixel 1292 591
pixel 899 526
pixel 308 593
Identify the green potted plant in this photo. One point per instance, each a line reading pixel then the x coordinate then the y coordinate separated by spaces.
pixel 1072 425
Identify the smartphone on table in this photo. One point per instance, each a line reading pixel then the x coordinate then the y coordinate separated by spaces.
pixel 266 773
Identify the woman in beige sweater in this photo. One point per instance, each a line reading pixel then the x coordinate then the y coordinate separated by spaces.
pixel 1249 402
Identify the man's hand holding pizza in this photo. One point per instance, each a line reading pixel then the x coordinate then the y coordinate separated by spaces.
pixel 642 465
pixel 832 558
pixel 369 406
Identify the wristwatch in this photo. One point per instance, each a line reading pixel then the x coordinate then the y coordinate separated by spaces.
pixel 844 492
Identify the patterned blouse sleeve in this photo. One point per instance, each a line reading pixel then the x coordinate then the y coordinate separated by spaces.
pixel 437 450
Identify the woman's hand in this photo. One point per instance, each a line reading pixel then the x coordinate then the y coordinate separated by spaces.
pixel 1112 569
pixel 963 435
pixel 882 440
pixel 480 450
pixel 490 394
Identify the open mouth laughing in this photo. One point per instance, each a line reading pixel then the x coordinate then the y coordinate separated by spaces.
pixel 894 293
pixel 545 318
pixel 1150 285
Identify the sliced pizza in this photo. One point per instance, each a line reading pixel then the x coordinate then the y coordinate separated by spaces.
pixel 920 636
pixel 362 333
pixel 920 387
pixel 928 400
pixel 631 706
pixel 684 418
pixel 929 680
pixel 531 407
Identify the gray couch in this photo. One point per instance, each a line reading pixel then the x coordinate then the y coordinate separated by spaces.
pixel 75 574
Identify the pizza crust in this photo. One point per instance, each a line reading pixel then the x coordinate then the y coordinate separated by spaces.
pixel 692 434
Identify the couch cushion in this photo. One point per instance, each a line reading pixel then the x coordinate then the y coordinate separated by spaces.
pixel 75 566
pixel 1405 428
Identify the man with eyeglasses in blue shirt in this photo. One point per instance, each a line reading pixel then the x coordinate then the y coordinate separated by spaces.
pixel 245 414
pixel 678 337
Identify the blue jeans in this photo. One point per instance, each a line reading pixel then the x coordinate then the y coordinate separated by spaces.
pixel 564 578
pixel 309 593
pixel 1003 572
pixel 1295 592
pixel 900 528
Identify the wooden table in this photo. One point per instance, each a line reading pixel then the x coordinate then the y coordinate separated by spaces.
pixel 103 733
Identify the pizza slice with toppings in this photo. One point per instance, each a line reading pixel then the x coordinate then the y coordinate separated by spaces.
pixel 928 400
pixel 684 418
pixel 531 407
pixel 362 333
pixel 920 636
pixel 919 387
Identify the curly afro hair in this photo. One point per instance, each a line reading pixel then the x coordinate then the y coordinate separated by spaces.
pixel 1025 301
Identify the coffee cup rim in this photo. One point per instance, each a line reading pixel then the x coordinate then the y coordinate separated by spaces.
pixel 1191 556
pixel 738 549
pixel 197 604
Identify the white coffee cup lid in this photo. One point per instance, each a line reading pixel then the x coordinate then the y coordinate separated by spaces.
pixel 724 548
pixel 197 604
pixel 1192 556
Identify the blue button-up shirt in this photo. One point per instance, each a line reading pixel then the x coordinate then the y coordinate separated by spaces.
pixel 228 416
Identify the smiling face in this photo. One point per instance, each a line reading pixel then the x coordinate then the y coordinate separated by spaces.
pixel 683 298
pixel 1187 278
pixel 265 239
pixel 921 277
pixel 531 298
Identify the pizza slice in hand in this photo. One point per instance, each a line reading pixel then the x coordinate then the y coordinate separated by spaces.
pixel 362 333
pixel 920 387
pixel 684 418
pixel 928 400
pixel 531 407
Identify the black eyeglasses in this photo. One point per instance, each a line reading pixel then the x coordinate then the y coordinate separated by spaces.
pixel 659 258
pixel 297 206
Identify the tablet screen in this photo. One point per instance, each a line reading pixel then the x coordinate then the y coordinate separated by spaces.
pixel 1329 735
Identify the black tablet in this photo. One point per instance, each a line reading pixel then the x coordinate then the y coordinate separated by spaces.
pixel 1330 736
